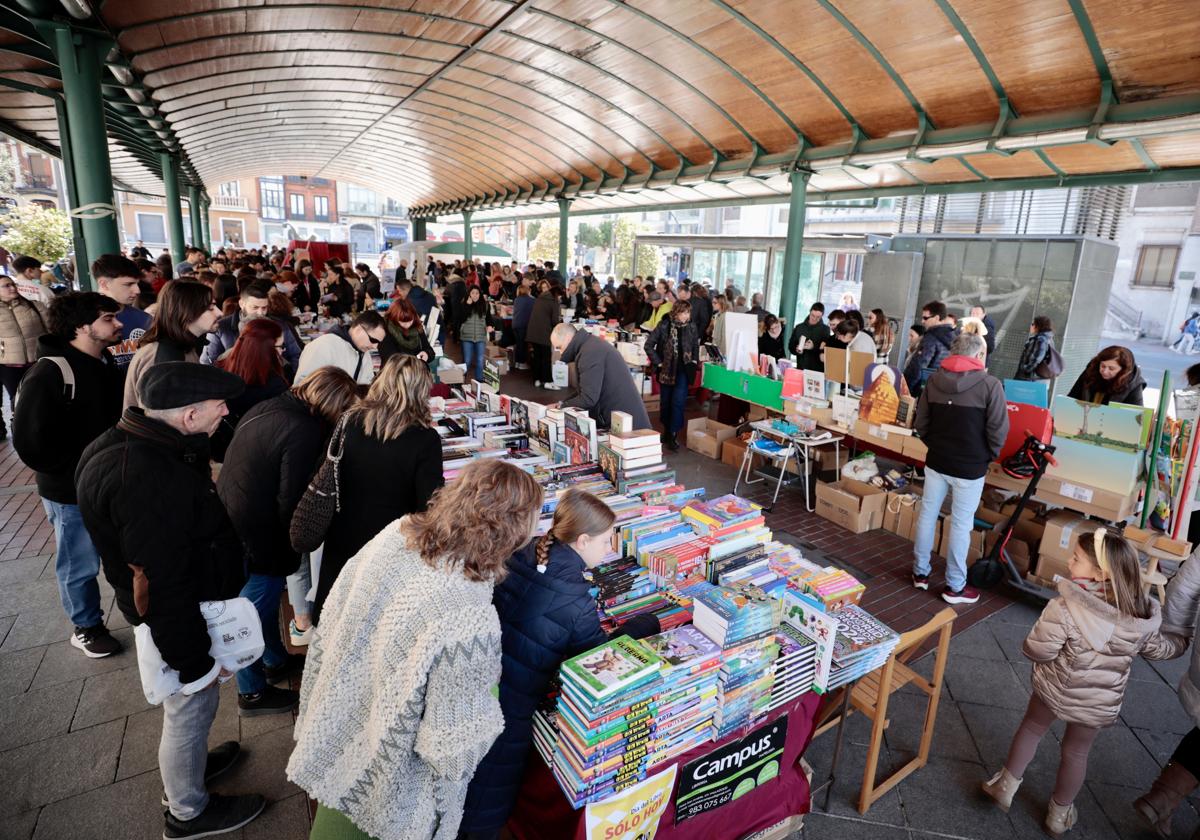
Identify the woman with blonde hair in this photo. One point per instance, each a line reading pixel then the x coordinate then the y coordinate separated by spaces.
pixel 391 464
pixel 547 615
pixel 397 705
pixel 885 336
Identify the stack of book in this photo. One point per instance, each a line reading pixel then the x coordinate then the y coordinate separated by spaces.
pixel 794 668
pixel 687 698
pixel 743 624
pixel 863 643
pixel 831 587
pixel 606 709
pixel 623 589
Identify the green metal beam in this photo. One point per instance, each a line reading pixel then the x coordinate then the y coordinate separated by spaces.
pixel 1093 43
pixel 641 91
pixel 83 266
pixel 564 232
pixel 641 55
pixel 28 138
pixel 966 163
pixel 468 236
pixel 922 117
pixel 325 7
pixel 196 217
pixel 793 250
pixel 311 34
pixel 1140 148
pixel 170 169
pixel 976 50
pixel 741 18
pixel 1053 166
pixel 801 140
pixel 233 54
pixel 206 206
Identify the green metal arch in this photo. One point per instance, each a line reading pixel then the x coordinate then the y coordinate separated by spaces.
pixel 754 145
pixel 167 67
pixel 725 65
pixel 1084 22
pixel 922 117
pixel 658 103
pixel 218 88
pixel 742 18
pixel 354 7
pixel 228 36
pixel 527 107
pixel 161 92
pixel 976 50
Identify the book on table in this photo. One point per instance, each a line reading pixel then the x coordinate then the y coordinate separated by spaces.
pixel 613 666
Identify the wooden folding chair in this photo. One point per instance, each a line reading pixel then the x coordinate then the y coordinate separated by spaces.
pixel 867 696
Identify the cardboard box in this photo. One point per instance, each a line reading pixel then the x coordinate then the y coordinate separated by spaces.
pixel 757 412
pixel 451 376
pixel 732 451
pixel 915 448
pixel 856 506
pixel 1062 535
pixel 706 436
pixel 501 366
pixel 780 831
pixel 879 437
pixel 1049 567
pixel 494 351
pixel 1056 492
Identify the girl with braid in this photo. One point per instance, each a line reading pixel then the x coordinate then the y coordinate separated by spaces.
pixel 547 615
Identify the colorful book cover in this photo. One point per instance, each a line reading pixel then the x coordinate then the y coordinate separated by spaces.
pixel 882 389
pixel 614 665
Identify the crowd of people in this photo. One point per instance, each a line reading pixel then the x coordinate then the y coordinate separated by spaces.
pixel 189 448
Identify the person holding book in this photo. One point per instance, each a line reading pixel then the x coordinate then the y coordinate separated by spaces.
pixel 807 336
pixel 398 704
pixel 547 615
pixel 1083 648
pixel 605 384
pixel 674 350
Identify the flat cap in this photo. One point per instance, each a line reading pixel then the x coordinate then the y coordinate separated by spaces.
pixel 176 384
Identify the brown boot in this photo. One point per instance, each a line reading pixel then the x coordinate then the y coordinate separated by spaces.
pixel 1172 786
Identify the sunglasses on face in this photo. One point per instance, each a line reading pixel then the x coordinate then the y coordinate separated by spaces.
pixel 373 339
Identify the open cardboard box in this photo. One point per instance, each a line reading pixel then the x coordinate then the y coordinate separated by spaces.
pixel 856 506
pixel 732 451
pixel 1056 492
pixel 706 436
pixel 900 515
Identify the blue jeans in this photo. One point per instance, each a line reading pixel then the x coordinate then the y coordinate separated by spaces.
pixel 183 749
pixel 298 584
pixel 473 357
pixel 263 591
pixel 76 565
pixel 964 501
pixel 672 399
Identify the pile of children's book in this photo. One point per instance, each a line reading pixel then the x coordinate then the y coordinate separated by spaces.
pixel 794 668
pixel 863 643
pixel 606 718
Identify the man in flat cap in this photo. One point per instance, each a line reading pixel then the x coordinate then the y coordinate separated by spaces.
pixel 147 497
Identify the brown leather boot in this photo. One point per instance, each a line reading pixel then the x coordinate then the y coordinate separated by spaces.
pixel 1169 790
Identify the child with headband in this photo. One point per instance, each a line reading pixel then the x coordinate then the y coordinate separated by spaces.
pixel 1082 649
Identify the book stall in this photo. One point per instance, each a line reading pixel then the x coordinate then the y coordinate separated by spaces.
pixel 1132 466
pixel 696 731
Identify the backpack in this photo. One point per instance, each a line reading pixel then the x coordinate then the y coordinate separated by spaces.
pixel 68 377
pixel 1052 365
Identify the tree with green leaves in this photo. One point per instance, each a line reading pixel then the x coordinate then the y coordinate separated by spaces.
pixel 8 173
pixel 545 245
pixel 532 229
pixel 38 232
pixel 624 232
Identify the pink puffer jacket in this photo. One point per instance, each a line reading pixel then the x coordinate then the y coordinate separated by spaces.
pixel 1082 651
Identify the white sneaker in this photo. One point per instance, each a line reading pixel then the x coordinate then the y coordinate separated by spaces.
pixel 520 366
pixel 298 637
pixel 550 386
pixel 537 383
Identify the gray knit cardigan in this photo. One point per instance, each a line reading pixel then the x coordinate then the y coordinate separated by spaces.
pixel 396 705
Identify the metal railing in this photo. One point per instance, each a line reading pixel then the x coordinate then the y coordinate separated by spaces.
pixel 1124 314
pixel 230 202
pixel 1089 211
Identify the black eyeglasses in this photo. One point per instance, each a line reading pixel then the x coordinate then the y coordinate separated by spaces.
pixel 373 339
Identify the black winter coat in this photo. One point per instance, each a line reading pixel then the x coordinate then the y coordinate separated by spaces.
pixel 147 498
pixel 380 482
pixel 543 318
pixel 50 432
pixel 307 296
pixel 275 451
pixel 1131 393
pixel 545 618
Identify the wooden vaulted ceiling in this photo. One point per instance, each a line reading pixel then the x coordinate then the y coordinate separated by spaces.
pixel 454 104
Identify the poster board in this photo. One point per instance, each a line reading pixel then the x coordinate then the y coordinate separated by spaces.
pixel 847 366
pixel 741 341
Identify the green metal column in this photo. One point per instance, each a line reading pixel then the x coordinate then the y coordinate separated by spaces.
pixel 793 249
pixel 418 230
pixel 170 172
pixel 83 273
pixel 564 206
pixel 196 216
pixel 80 55
pixel 205 204
pixel 468 238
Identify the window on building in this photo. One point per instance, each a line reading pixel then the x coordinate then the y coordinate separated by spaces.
pixel 271 197
pixel 362 201
pixel 152 228
pixel 296 205
pixel 230 189
pixel 320 206
pixel 1156 266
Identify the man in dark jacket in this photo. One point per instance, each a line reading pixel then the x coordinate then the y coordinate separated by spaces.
pixel 252 303
pixel 934 346
pixel 147 497
pixel 554 275
pixel 422 300
pixel 806 338
pixel 605 383
pixel 53 422
pixel 963 418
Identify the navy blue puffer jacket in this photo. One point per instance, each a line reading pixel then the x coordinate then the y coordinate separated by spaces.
pixel 545 618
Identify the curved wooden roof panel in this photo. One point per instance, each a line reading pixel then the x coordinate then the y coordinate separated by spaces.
pixel 501 106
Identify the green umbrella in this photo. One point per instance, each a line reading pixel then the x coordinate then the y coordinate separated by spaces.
pixel 478 249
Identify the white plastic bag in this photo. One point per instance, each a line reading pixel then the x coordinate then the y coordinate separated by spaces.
pixel 861 469
pixel 235 632
pixel 561 377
